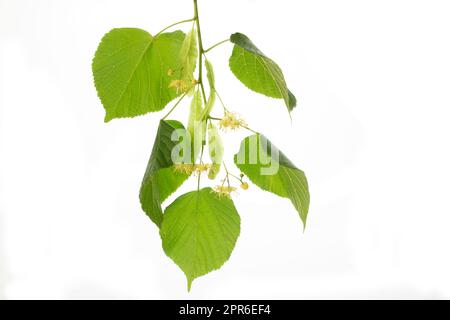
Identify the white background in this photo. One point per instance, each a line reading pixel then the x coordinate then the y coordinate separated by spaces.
pixel 371 132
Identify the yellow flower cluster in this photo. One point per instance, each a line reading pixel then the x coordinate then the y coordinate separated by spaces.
pixel 184 168
pixel 200 168
pixel 223 191
pixel 192 168
pixel 231 121
pixel 180 85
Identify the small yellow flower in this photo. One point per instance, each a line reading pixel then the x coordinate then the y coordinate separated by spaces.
pixel 170 72
pixel 223 191
pixel 184 168
pixel 192 168
pixel 200 168
pixel 244 186
pixel 231 121
pixel 180 85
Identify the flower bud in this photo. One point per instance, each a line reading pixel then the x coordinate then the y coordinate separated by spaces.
pixel 244 186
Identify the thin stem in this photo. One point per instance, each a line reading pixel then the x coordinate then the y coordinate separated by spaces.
pixel 221 101
pixel 225 167
pixel 255 132
pixel 173 25
pixel 216 45
pixel 196 17
pixel 175 106
pixel 200 50
pixel 228 174
pixel 236 177
pixel 203 92
pixel 200 77
pixel 200 174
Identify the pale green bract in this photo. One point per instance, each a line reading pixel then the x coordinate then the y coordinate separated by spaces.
pixel 160 179
pixel 258 72
pixel 215 148
pixel 199 232
pixel 188 58
pixel 210 75
pixel 288 182
pixel 195 125
pixel 130 71
pixel 212 89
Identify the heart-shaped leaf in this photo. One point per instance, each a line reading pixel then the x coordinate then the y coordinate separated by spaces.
pixel 199 232
pixel 131 71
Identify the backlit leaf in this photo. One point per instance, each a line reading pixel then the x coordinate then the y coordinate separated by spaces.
pixel 131 68
pixel 272 171
pixel 199 232
pixel 258 72
pixel 161 179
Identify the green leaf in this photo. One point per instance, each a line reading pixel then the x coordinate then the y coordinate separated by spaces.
pixel 160 179
pixel 199 232
pixel 259 159
pixel 130 71
pixel 215 148
pixel 258 72
pixel 188 57
pixel 212 89
pixel 195 124
pixel 292 101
